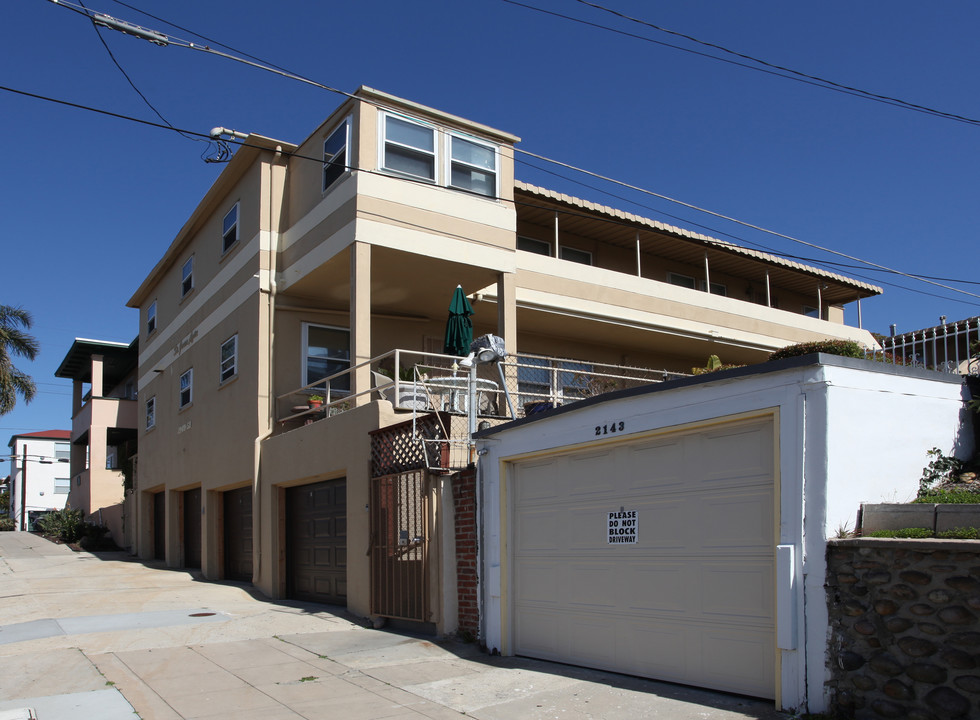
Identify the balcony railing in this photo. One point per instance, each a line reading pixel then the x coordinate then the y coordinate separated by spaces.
pixel 423 382
pixel 950 348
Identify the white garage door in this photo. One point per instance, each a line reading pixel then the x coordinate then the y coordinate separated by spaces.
pixel 652 558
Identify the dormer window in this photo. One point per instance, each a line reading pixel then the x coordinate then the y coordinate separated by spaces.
pixel 409 148
pixel 335 161
pixel 473 166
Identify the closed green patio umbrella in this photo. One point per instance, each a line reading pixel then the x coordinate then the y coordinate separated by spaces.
pixel 459 327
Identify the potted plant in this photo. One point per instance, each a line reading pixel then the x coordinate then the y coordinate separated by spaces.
pixel 314 401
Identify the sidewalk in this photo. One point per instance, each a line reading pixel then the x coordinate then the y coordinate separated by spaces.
pixel 103 636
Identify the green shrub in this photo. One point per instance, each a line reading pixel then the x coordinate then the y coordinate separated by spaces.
pixel 845 348
pixel 6 523
pixel 951 497
pixel 960 533
pixel 66 525
pixel 903 533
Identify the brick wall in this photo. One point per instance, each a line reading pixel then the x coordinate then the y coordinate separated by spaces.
pixel 464 500
pixel 904 635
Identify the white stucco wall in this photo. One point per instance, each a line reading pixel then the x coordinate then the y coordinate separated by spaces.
pixel 848 432
pixel 42 469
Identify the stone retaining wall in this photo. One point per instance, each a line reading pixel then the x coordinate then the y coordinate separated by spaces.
pixel 904 636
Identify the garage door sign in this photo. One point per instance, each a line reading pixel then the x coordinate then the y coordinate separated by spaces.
pixel 622 527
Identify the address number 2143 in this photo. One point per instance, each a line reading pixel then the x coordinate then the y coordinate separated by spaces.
pixel 613 427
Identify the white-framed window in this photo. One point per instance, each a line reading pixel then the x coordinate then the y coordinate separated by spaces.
pixel 187 276
pixel 408 147
pixel 62 486
pixel 472 166
pixel 151 317
pixel 538 247
pixel 335 153
pixel 575 255
pixel 151 412
pixel 326 351
pixel 229 359
pixel 229 229
pixel 62 451
pixel 185 389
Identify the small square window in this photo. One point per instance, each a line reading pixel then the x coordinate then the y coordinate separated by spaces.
pixel 151 317
pixel 335 154
pixel 575 255
pixel 186 389
pixel 409 148
pixel 187 276
pixel 151 412
pixel 229 358
pixel 229 229
pixel 62 486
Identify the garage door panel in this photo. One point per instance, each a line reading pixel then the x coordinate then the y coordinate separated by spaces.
pixel 539 481
pixel 738 661
pixel 591 584
pixel 656 465
pixel 540 530
pixel 692 599
pixel 738 521
pixel 737 592
pixel 592 474
pixel 744 453
pixel 659 587
pixel 538 581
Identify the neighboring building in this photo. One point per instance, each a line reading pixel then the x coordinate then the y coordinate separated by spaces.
pixel 39 476
pixel 678 531
pixel 103 436
pixel 338 258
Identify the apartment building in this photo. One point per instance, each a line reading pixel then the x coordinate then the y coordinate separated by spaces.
pixel 323 271
pixel 38 481
pixel 103 435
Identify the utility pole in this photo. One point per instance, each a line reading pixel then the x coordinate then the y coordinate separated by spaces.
pixel 23 490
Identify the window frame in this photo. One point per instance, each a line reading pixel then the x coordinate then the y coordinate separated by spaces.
pixel 672 276
pixel 187 277
pixel 811 311
pixel 151 318
pixel 181 403
pixel 223 374
pixel 451 161
pixel 150 413
pixel 63 489
pixel 384 142
pixel 232 230
pixel 305 357
pixel 331 164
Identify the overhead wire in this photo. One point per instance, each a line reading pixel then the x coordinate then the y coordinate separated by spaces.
pixel 262 65
pixel 766 67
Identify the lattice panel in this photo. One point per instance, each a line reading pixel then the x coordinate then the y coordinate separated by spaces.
pixel 395 449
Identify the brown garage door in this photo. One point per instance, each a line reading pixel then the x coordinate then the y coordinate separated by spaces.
pixel 192 528
pixel 160 526
pixel 316 542
pixel 238 534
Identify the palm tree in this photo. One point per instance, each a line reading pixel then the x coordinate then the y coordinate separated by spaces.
pixel 14 340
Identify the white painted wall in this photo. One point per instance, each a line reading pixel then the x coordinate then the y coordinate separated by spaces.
pixel 42 469
pixel 849 431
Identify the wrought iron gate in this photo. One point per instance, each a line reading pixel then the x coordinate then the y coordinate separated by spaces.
pixel 399 545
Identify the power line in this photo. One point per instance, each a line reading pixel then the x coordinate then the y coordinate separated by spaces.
pixel 160 38
pixel 767 67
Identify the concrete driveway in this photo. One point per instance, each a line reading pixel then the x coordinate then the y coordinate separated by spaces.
pixel 103 636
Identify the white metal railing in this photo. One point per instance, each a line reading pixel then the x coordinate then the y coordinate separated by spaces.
pixel 415 381
pixel 949 347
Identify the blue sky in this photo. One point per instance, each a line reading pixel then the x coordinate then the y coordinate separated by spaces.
pixel 91 202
